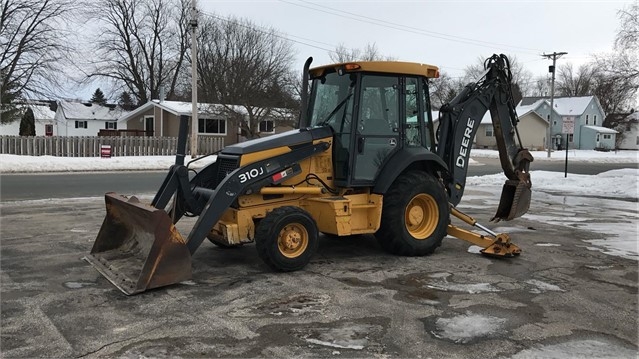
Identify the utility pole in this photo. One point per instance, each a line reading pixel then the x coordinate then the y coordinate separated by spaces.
pixel 194 112
pixel 551 69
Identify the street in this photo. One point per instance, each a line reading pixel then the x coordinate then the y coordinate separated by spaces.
pixel 562 297
pixel 17 187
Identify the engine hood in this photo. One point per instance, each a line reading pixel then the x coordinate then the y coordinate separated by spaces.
pixel 289 138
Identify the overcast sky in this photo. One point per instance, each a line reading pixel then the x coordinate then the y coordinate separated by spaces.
pixel 449 34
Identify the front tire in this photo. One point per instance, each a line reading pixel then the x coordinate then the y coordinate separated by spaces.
pixel 286 238
pixel 415 215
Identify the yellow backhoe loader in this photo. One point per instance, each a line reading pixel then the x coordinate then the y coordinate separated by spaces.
pixel 367 158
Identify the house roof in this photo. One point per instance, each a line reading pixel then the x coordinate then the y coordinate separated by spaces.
pixel 521 112
pixel 564 106
pixel 81 111
pixel 601 129
pixel 184 108
pixel 42 112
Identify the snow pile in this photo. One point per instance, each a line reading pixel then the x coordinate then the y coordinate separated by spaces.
pixel 588 156
pixel 616 183
pixel 30 164
pixel 34 164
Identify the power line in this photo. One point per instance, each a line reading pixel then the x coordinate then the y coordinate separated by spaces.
pixel 405 28
pixel 271 32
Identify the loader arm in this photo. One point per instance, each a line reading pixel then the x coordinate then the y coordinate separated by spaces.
pixel 459 122
pixel 243 180
pixel 138 247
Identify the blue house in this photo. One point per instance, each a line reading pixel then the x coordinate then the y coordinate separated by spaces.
pixel 586 113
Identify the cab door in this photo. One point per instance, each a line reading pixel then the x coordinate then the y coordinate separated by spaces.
pixel 377 130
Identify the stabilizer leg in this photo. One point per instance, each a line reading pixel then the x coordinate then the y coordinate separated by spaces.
pixel 493 244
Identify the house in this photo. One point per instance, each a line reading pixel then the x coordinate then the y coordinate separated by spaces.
pixel 87 119
pixel 630 130
pixel 531 127
pixel 45 124
pixel 585 112
pixel 161 118
pixel 535 115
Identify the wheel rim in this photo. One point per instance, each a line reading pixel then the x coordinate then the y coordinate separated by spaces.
pixel 293 240
pixel 421 216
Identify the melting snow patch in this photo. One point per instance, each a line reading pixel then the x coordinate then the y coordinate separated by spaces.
pixel 543 286
pixel 354 336
pixel 464 328
pixel 598 267
pixel 548 245
pixel 465 288
pixel 475 249
pixel 337 344
pixel 76 285
pixel 459 287
pixel 577 349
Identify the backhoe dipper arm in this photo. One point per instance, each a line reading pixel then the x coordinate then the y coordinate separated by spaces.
pixel 459 121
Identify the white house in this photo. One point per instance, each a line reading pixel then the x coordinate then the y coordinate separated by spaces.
pixel 87 119
pixel 45 124
pixel 631 132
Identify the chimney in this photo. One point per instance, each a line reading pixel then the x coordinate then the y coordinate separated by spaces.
pixel 162 94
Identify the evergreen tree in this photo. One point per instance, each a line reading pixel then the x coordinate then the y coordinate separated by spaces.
pixel 126 102
pixel 98 97
pixel 9 95
pixel 27 124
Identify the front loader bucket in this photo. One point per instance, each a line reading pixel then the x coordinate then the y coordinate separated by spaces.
pixel 138 247
pixel 515 200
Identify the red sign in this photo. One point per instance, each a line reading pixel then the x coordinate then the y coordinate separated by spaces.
pixel 105 151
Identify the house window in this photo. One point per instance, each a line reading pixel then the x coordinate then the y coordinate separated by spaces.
pixel 267 126
pixel 637 140
pixel 111 125
pixel 213 126
pixel 594 118
pixel 489 131
pixel 570 138
pixel 554 122
pixel 81 124
pixel 48 130
pixel 607 137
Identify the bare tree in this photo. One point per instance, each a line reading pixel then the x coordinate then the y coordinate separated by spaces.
pixel 443 89
pixel 369 53
pixel 541 86
pixel 242 65
pixel 521 80
pixel 142 46
pixel 581 82
pixel 32 49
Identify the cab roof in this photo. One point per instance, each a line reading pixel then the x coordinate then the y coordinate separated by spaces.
pixel 389 67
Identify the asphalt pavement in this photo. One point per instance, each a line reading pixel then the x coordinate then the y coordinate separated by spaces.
pixel 562 298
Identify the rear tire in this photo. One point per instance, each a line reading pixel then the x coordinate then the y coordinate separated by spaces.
pixel 415 215
pixel 286 238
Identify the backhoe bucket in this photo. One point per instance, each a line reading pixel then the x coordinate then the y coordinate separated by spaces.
pixel 515 200
pixel 138 247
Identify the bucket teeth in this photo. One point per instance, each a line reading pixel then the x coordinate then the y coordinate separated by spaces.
pixel 514 202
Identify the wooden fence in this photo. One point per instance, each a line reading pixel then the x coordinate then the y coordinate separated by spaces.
pixel 89 146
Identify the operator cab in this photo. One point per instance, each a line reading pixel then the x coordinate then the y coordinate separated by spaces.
pixel 375 109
